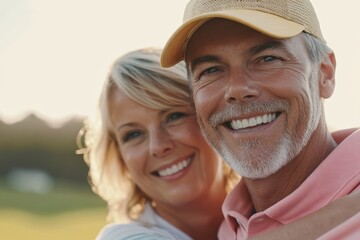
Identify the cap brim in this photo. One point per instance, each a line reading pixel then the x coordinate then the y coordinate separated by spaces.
pixel 265 23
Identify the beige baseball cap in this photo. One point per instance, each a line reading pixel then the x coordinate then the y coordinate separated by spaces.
pixel 275 18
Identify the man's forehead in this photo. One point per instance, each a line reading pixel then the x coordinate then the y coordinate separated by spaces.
pixel 217 29
pixel 216 25
pixel 220 32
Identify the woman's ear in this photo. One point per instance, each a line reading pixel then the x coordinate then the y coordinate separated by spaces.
pixel 327 75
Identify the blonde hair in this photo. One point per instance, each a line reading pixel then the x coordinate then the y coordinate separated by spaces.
pixel 139 75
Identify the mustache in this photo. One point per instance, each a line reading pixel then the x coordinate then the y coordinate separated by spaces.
pixel 238 109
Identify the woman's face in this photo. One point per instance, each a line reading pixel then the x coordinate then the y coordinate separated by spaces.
pixel 165 152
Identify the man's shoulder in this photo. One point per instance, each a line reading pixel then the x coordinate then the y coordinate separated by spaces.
pixel 350 229
pixel 340 135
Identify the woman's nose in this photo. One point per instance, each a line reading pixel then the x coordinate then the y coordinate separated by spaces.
pixel 161 143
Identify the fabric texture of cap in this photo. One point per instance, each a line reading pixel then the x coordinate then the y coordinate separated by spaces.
pixel 275 18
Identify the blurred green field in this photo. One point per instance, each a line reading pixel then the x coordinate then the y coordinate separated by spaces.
pixel 66 212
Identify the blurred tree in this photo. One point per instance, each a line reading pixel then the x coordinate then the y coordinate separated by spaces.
pixel 33 144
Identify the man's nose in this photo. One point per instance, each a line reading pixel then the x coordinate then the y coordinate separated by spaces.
pixel 240 87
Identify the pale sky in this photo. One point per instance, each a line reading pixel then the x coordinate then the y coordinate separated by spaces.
pixel 55 54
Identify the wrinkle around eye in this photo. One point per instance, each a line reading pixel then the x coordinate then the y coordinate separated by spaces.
pixel 209 75
pixel 266 63
pixel 269 59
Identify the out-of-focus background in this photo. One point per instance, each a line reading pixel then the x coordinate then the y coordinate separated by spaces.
pixel 44 192
pixel 54 57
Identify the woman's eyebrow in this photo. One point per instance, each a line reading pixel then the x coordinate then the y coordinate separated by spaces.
pixel 125 125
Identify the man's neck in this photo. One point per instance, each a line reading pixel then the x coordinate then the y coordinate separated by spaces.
pixel 268 191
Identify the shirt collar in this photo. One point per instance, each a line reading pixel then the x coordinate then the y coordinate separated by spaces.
pixel 314 193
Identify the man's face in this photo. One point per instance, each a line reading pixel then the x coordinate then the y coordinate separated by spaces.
pixel 256 97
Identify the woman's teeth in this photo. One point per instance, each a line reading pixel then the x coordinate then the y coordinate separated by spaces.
pixel 175 168
pixel 251 122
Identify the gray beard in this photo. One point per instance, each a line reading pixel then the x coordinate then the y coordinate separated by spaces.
pixel 256 161
pixel 259 162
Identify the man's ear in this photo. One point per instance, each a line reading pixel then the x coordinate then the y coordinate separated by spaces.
pixel 327 75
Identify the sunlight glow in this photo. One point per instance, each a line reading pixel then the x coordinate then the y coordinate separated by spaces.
pixel 54 55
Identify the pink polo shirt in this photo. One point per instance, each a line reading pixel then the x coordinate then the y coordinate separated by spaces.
pixel 337 176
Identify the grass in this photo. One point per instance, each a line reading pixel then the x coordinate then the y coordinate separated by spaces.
pixel 64 197
pixel 79 225
pixel 67 212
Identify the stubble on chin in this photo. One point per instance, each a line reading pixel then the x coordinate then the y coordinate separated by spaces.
pixel 254 160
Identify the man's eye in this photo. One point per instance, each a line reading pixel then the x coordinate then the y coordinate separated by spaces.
pixel 131 135
pixel 269 58
pixel 208 72
pixel 211 70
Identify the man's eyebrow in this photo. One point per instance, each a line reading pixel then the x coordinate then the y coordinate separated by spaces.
pixel 267 45
pixel 253 50
pixel 203 59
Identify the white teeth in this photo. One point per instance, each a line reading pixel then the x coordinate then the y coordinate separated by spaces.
pixel 264 119
pixel 251 122
pixel 175 168
pixel 258 120
pixel 245 123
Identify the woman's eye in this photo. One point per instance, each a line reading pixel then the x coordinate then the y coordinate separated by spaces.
pixel 131 135
pixel 175 115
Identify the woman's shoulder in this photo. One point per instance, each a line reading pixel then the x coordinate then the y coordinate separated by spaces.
pixel 130 231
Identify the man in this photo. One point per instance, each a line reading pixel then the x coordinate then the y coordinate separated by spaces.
pixel 260 71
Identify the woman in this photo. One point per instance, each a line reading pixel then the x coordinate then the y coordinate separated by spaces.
pixel 150 163
pixel 149 160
